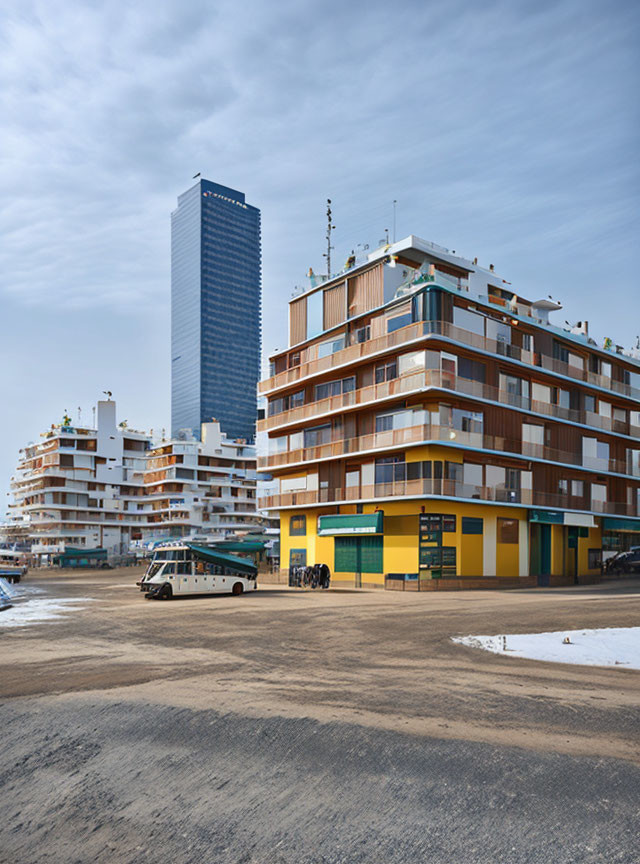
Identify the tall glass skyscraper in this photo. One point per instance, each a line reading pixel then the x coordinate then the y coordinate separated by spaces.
pixel 215 310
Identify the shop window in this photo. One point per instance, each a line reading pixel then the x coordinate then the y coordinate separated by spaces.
pixel 298 526
pixel 507 530
pixel 472 525
pixel 594 559
pixel 297 558
pixel 449 523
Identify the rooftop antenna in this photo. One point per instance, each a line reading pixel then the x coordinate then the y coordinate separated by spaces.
pixel 330 228
pixel 94 416
pixel 386 234
pixel 395 203
pixel 79 416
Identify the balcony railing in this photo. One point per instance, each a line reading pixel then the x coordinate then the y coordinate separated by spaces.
pixel 432 432
pixel 444 488
pixel 311 364
pixel 418 381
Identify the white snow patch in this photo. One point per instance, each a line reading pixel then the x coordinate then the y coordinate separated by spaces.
pixel 613 646
pixel 35 611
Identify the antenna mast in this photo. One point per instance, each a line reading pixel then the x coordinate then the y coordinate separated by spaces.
pixel 330 228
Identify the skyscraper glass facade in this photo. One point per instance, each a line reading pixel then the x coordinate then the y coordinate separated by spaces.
pixel 215 310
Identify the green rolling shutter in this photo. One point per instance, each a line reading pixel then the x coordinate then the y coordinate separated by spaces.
pixel 371 554
pixel 346 555
pixel 358 555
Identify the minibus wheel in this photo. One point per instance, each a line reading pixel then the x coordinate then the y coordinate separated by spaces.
pixel 237 588
pixel 166 593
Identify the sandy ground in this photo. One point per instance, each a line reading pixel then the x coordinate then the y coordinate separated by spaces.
pixel 335 726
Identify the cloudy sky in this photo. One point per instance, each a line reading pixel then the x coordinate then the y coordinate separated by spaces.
pixel 505 130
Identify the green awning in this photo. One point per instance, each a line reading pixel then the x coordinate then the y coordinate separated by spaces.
pixel 240 545
pixel 611 524
pixel 222 560
pixel 82 553
pixel 356 523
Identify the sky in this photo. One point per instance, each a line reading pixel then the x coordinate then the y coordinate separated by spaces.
pixel 509 131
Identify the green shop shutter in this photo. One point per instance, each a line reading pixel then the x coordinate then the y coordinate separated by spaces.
pixel 346 555
pixel 371 554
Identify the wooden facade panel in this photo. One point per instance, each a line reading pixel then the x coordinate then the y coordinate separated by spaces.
pixel 366 291
pixel 334 306
pixel 298 321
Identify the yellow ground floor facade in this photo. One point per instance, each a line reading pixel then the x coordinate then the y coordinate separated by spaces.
pixel 428 544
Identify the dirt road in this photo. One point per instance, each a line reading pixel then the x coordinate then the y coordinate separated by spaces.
pixel 313 727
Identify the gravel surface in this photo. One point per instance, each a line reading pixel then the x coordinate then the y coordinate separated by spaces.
pixel 289 727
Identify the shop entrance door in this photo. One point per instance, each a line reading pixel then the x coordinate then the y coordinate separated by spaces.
pixel 358 555
pixel 540 552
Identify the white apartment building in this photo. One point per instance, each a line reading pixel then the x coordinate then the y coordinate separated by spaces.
pixel 113 488
pixel 200 489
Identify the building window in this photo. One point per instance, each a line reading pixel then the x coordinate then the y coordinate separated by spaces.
pixel 386 371
pixel 294 359
pixel 507 530
pixel 560 352
pixel 390 469
pixel 563 487
pixel 472 370
pixel 471 525
pixel 577 488
pixel 317 435
pixel 590 403
pixel 298 526
pixel 362 334
pixel 334 388
pixel 398 322
pixel 325 349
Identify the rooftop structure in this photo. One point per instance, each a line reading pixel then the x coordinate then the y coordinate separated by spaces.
pixel 490 442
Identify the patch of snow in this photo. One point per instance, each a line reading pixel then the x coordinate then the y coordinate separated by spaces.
pixel 36 611
pixel 612 646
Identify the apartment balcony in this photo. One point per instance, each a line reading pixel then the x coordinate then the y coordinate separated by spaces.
pixel 429 433
pixel 439 488
pixel 418 382
pixel 44 549
pixel 312 365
